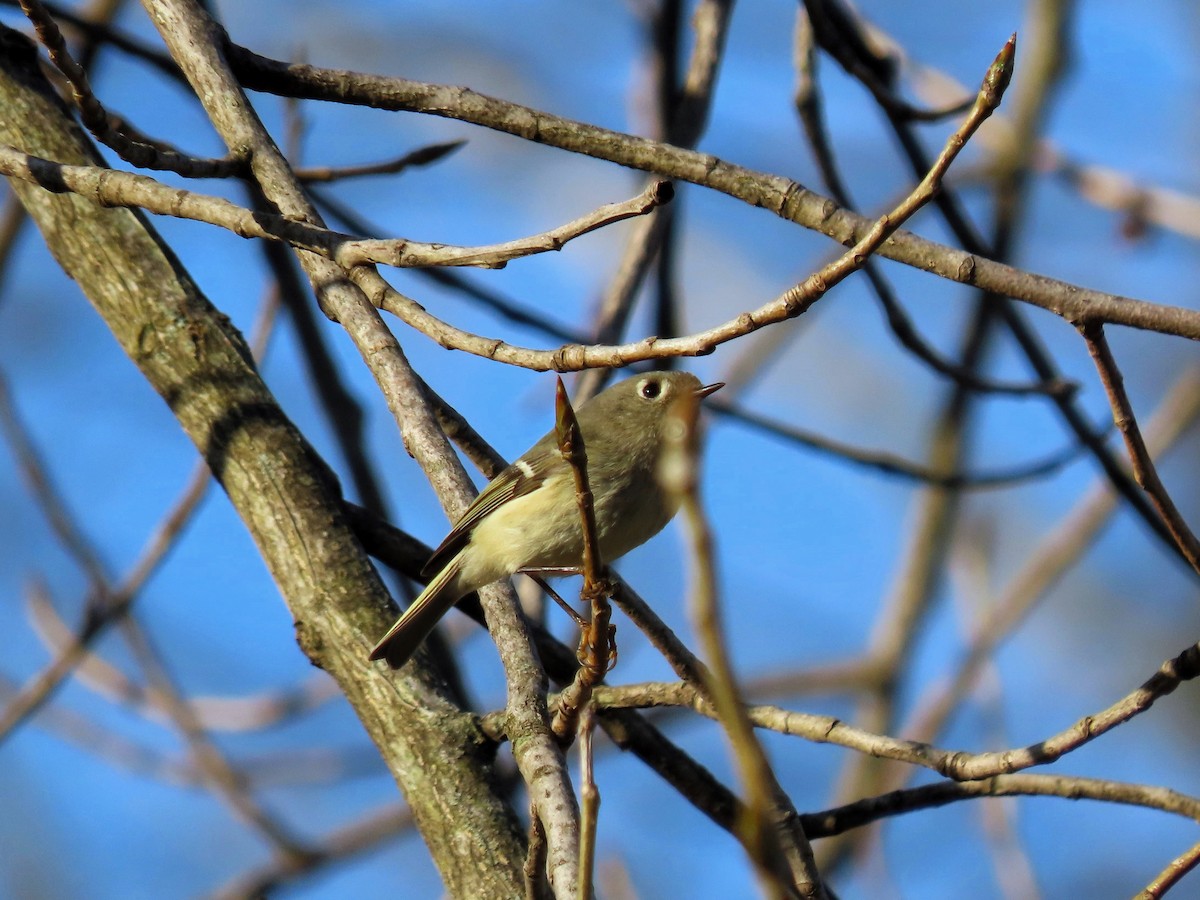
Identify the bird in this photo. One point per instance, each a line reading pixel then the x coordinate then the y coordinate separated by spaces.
pixel 527 518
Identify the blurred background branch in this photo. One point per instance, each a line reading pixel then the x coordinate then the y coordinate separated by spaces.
pixel 901 629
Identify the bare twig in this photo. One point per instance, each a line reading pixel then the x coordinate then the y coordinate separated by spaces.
pixel 589 795
pixel 107 187
pixel 678 472
pixel 1143 466
pixel 956 764
pixel 358 837
pixel 422 156
pixel 488 297
pixel 1055 554
pixel 1172 874
pixel 891 463
pixel 595 642
pixel 865 812
pixel 411 254
pixel 148 155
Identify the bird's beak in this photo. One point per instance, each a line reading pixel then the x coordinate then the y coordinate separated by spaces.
pixel 709 389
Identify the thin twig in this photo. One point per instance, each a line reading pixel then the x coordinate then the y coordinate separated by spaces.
pixel 1172 874
pixel 1054 555
pixel 589 797
pixel 892 464
pixel 780 195
pixel 827 823
pixel 1144 470
pixel 404 253
pixel 596 649
pixel 144 154
pixel 956 764
pixel 454 280
pixel 111 188
pixel 678 472
pixel 422 156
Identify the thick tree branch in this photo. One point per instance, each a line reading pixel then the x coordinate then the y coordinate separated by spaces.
pixel 290 503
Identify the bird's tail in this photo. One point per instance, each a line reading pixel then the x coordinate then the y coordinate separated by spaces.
pixel 415 623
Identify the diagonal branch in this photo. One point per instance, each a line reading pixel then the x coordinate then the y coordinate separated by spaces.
pixel 110 188
pixel 956 764
pixel 191 355
pixel 145 154
pixel 1144 470
pixel 595 642
pixel 782 196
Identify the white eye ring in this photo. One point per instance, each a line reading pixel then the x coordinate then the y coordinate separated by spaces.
pixel 650 389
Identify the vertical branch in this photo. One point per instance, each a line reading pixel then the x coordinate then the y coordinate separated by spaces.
pixel 574 453
pixel 756 827
pixel 595 639
pixel 590 801
pixel 534 868
pixel 681 113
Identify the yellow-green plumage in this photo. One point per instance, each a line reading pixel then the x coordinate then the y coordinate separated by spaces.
pixel 527 517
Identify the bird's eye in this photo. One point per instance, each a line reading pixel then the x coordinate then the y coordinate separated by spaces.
pixel 650 389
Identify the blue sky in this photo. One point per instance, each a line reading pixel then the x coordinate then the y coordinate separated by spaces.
pixel 808 545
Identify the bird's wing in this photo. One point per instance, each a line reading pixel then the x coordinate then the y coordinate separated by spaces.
pixel 416 622
pixel 519 479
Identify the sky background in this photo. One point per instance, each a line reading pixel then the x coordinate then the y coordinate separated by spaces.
pixel 808 545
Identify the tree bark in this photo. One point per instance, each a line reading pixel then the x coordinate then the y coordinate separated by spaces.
pixel 285 494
